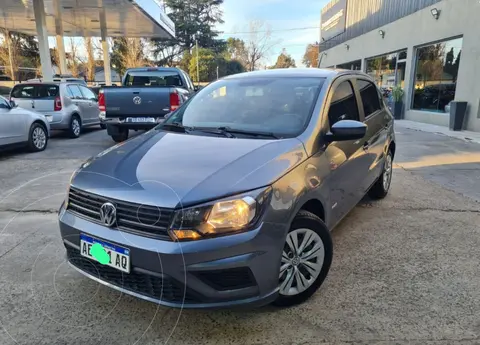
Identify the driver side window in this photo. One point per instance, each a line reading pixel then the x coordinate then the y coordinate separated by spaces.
pixel 343 105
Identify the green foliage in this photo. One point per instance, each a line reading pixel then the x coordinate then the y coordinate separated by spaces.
pixel 310 58
pixel 284 60
pixel 397 94
pixel 207 65
pixel 192 18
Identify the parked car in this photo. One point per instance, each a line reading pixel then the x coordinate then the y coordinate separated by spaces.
pixel 67 106
pixel 21 127
pixel 61 80
pixel 146 96
pixel 5 91
pixel 232 199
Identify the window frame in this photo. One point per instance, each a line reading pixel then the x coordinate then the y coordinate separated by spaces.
pixel 351 79
pixel 33 86
pixel 81 87
pixel 72 95
pixel 5 102
pixel 380 100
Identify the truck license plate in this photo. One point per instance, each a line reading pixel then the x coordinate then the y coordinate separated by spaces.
pixel 141 119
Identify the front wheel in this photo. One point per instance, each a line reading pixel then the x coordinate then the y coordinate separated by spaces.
pixel 380 189
pixel 38 138
pixel 306 259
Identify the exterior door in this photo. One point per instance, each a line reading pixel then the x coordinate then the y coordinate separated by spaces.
pixel 77 99
pixel 12 124
pixel 91 104
pixel 346 158
pixel 377 120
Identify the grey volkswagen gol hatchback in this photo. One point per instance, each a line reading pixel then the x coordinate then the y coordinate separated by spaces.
pixel 231 200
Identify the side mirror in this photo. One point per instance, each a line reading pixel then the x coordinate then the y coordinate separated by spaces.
pixel 347 130
pixel 13 104
pixel 196 88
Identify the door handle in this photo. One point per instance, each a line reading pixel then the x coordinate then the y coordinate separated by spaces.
pixel 33 104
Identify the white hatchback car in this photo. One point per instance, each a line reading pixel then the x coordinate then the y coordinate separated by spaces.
pixel 22 127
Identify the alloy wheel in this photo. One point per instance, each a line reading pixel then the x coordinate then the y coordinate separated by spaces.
pixel 76 127
pixel 302 261
pixel 387 173
pixel 39 138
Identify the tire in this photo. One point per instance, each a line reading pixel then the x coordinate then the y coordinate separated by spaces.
pixel 37 138
pixel 75 127
pixel 304 224
pixel 380 189
pixel 121 136
pixel 103 126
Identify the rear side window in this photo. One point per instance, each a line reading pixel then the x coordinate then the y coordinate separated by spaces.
pixel 23 91
pixel 88 94
pixel 370 98
pixel 74 92
pixel 343 105
pixel 153 78
pixel 46 91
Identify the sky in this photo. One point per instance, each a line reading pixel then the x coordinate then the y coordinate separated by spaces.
pixel 279 15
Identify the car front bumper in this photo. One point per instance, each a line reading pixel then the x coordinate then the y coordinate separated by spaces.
pixel 223 272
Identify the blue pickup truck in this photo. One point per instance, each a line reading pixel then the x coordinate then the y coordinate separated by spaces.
pixel 145 97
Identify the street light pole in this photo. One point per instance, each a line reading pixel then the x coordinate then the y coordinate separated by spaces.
pixel 217 72
pixel 198 69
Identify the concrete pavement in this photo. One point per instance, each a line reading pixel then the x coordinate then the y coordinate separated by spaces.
pixel 405 270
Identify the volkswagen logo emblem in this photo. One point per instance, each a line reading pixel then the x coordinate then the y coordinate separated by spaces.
pixel 108 214
pixel 137 100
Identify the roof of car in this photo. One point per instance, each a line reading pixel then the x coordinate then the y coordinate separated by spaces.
pixel 295 72
pixel 145 69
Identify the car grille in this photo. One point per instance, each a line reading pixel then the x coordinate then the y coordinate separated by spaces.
pixel 159 288
pixel 228 279
pixel 145 220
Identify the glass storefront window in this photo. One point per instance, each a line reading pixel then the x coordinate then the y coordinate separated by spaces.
pixel 436 72
pixel 353 65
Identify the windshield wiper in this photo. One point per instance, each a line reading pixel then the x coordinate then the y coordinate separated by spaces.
pixel 214 130
pixel 247 132
pixel 176 126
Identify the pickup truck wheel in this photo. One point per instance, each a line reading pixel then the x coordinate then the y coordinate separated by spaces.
pixel 103 126
pixel 121 136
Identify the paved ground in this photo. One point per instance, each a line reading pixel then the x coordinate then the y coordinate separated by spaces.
pixel 405 271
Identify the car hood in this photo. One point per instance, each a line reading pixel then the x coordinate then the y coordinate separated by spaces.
pixel 176 170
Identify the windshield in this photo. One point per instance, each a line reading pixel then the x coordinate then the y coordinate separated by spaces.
pixel 153 78
pixel 279 105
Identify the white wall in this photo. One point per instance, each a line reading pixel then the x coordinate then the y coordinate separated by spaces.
pixel 457 18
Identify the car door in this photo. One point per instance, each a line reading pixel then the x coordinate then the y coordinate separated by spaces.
pixel 378 121
pixel 12 124
pixel 77 98
pixel 346 158
pixel 44 98
pixel 91 104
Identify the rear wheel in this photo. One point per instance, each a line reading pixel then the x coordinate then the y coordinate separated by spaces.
pixel 380 189
pixel 38 138
pixel 103 126
pixel 75 127
pixel 306 259
pixel 121 135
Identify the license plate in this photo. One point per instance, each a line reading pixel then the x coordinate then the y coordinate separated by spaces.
pixel 141 119
pixel 118 257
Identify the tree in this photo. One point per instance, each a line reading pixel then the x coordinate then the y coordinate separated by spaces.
pixel 207 65
pixel 128 53
pixel 73 59
pixel 259 43
pixel 234 67
pixel 91 63
pixel 236 50
pixel 192 18
pixel 23 49
pixel 310 58
pixel 284 60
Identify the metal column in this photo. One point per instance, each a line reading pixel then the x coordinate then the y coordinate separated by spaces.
pixel 40 22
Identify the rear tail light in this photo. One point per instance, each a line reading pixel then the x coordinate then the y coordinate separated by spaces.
pixel 57 104
pixel 101 100
pixel 174 101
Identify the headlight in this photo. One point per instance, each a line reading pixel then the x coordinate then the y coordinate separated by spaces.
pixel 225 216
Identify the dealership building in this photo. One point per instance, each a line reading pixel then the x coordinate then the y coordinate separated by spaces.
pixel 431 48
